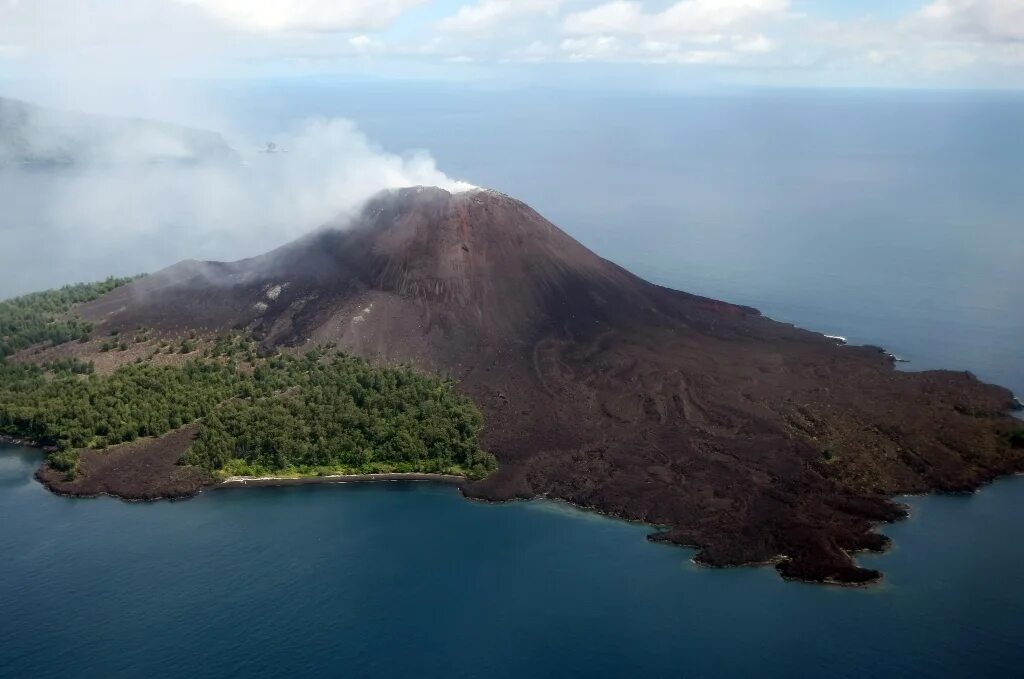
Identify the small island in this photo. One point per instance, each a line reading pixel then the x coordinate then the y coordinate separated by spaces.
pixel 462 337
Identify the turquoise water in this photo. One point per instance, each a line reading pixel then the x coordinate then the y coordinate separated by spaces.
pixel 413 580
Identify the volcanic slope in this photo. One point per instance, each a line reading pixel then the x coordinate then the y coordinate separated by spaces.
pixel 750 439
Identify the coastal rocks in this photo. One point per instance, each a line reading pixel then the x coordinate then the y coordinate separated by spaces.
pixel 144 470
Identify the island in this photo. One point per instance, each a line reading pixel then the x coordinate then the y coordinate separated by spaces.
pixel 466 336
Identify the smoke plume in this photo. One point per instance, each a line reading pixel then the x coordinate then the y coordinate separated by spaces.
pixel 117 197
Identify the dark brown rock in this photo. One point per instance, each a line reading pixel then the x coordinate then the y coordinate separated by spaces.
pixel 143 470
pixel 750 439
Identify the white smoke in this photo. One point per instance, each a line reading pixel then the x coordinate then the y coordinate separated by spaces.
pixel 116 214
pixel 113 209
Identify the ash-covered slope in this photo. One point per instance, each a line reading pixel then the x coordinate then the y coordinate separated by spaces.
pixel 750 439
pixel 420 275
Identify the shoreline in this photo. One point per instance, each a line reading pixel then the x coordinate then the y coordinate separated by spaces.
pixel 462 482
pixel 265 481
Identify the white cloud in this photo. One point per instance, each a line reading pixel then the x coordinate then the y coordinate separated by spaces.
pixel 613 17
pixel 982 19
pixel 757 44
pixel 487 15
pixel 682 19
pixel 535 52
pixel 82 41
pixel 306 15
pixel 364 44
pixel 690 31
pixel 607 48
pixel 591 48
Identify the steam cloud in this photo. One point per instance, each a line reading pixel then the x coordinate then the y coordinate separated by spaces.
pixel 117 213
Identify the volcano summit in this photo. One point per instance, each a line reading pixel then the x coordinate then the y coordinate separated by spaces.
pixel 752 440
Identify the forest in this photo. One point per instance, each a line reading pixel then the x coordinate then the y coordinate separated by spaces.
pixel 43 317
pixel 69 409
pixel 323 411
pixel 334 412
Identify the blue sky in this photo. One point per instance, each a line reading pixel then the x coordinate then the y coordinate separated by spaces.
pixel 863 43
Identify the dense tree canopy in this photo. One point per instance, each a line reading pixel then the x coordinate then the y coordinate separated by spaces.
pixel 321 412
pixel 43 316
pixel 70 411
pixel 316 413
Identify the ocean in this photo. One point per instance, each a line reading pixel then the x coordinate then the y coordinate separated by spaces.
pixel 410 579
pixel 890 218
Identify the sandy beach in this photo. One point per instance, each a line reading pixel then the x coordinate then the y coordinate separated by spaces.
pixel 243 481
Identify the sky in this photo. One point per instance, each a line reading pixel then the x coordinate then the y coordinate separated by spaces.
pixel 612 43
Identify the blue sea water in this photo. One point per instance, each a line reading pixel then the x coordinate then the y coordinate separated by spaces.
pixel 890 218
pixel 411 579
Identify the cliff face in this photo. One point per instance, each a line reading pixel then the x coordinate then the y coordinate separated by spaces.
pixel 751 439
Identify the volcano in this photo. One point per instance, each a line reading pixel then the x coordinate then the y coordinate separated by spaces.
pixel 752 440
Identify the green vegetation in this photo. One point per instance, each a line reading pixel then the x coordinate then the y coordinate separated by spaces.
pixel 1017 439
pixel 43 316
pixel 70 365
pixel 323 414
pixel 320 413
pixel 69 411
pixel 317 414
